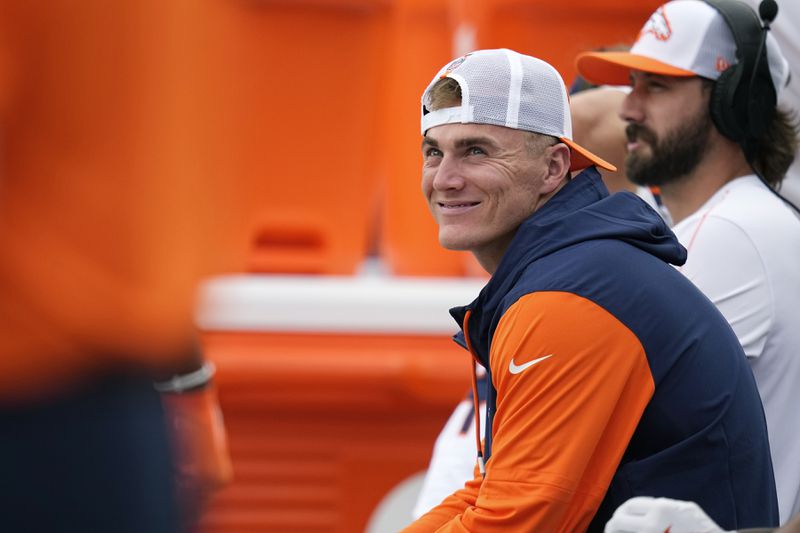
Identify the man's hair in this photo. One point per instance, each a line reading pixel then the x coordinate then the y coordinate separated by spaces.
pixel 775 150
pixel 447 93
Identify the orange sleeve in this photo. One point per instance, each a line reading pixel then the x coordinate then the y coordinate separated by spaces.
pixel 563 422
pixel 452 506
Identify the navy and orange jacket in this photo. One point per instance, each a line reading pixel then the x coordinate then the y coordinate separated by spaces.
pixel 612 376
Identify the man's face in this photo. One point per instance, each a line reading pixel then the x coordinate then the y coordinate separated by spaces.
pixel 481 182
pixel 668 130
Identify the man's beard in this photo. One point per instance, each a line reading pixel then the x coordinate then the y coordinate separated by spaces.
pixel 672 158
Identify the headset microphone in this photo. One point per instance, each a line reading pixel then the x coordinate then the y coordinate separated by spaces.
pixel 767 11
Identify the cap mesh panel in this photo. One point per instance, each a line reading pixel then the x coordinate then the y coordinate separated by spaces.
pixel 542 106
pixel 488 87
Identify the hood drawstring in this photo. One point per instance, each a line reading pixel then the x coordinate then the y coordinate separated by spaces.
pixel 475 403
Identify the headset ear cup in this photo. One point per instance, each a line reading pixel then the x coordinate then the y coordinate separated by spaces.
pixel 761 104
pixel 729 120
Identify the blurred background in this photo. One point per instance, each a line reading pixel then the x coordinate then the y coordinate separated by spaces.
pixel 265 155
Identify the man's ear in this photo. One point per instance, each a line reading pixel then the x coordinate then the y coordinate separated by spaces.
pixel 558 161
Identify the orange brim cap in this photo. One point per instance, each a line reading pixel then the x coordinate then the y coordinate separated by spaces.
pixel 581 158
pixel 614 68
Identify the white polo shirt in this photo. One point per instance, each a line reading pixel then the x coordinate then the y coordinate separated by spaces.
pixel 744 254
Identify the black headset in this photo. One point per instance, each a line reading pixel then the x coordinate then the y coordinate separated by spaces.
pixel 744 98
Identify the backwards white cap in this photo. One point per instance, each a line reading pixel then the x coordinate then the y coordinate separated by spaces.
pixel 506 88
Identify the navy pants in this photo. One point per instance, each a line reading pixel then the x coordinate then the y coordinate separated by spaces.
pixel 96 460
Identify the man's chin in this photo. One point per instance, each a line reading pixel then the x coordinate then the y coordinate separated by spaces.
pixel 456 243
pixel 637 169
pixel 453 246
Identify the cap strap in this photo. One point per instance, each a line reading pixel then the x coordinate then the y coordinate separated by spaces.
pixel 447 115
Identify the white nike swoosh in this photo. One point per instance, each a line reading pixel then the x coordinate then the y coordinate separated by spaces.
pixel 516 369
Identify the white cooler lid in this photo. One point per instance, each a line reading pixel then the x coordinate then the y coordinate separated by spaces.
pixel 339 304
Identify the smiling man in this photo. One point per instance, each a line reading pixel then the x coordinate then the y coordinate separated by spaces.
pixel 598 351
pixel 703 125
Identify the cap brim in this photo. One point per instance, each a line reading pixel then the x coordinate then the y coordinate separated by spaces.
pixel 614 68
pixel 581 158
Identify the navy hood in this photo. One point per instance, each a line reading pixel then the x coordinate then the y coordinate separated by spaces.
pixel 581 211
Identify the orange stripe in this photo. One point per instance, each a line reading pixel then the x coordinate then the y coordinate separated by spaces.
pixel 690 244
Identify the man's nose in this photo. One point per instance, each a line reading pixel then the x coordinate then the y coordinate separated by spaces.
pixel 448 174
pixel 631 109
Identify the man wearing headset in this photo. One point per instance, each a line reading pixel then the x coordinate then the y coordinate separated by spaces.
pixel 703 126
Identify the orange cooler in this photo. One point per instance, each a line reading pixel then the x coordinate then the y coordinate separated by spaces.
pixel 422 43
pixel 293 91
pixel 333 391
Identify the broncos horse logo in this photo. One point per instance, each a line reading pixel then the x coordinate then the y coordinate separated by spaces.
pixel 658 25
